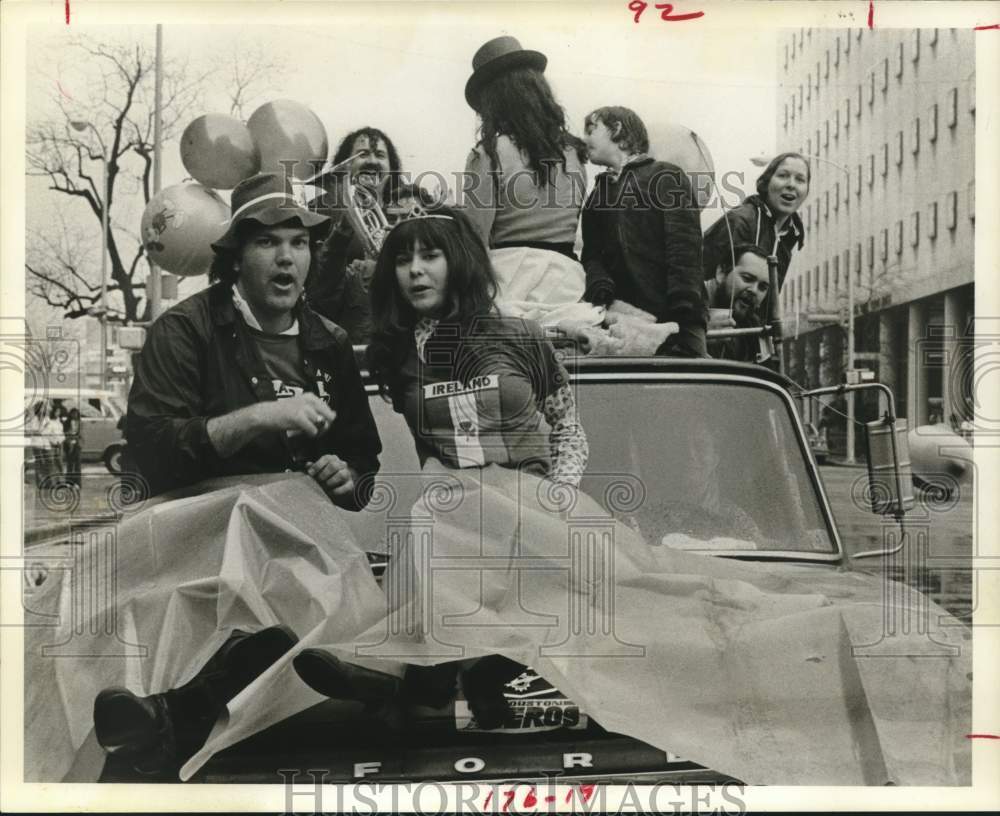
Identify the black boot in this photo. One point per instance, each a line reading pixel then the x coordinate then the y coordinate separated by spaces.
pixel 328 675
pixel 156 732
pixel 483 683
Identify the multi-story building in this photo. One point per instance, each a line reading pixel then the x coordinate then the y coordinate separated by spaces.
pixel 888 119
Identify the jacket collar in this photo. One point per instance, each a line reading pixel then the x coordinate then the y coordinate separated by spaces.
pixel 798 228
pixel 312 333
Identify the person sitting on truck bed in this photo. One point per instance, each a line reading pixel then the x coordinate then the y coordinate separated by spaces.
pixel 240 378
pixel 743 291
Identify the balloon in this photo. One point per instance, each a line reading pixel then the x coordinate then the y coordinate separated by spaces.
pixel 285 131
pixel 179 225
pixel 674 143
pixel 218 151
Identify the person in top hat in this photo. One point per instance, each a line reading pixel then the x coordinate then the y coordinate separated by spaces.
pixel 524 184
pixel 243 377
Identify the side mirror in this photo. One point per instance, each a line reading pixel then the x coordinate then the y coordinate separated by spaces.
pixel 890 485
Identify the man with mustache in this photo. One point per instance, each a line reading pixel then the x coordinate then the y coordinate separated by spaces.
pixel 743 288
pixel 338 289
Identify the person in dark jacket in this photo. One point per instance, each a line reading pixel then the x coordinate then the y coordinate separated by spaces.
pixel 244 378
pixel 240 378
pixel 641 232
pixel 769 219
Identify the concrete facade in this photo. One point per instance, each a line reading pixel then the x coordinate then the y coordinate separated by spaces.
pixel 888 119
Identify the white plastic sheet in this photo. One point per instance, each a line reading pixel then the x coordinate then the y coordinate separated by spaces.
pixel 751 669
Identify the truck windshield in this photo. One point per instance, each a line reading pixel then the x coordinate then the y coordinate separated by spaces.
pixel 707 467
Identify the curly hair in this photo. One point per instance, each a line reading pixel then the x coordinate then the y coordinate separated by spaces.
pixel 373 135
pixel 520 104
pixel 472 286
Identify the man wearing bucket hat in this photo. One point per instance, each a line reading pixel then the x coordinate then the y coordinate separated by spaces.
pixel 243 377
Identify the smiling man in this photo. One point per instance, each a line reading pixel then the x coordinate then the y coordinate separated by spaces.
pixel 243 377
pixel 744 289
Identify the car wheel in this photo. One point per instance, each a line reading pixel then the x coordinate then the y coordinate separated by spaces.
pixel 113 459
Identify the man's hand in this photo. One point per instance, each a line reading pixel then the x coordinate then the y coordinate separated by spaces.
pixel 639 338
pixel 333 475
pixel 364 270
pixel 305 414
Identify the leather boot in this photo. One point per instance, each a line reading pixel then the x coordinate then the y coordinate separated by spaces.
pixel 330 676
pixel 157 731
pixel 483 683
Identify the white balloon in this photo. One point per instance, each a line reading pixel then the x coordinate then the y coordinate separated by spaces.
pixel 179 225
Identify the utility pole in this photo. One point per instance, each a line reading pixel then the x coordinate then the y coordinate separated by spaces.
pixel 153 284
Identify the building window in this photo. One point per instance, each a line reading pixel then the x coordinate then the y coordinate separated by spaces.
pixel 885 75
pixel 871 251
pixel 900 60
pixel 899 238
pixel 817 77
pixel 836 53
pixel 885 158
pixel 791 112
pixel 856 269
pixel 952 108
pixel 847 43
pixel 858 33
pixel 871 89
pixel 871 169
pixel 971 85
pixel 836 197
pixel 914 229
pixel 836 124
pixel 826 134
pixel 836 272
pixel 800 40
pixel 857 102
pixel 932 117
pixel 884 245
pixel 952 210
pixel 847 113
pixel 809 146
pixel 784 123
pixel 970 199
pixel 826 279
pixel 786 58
pixel 915 136
pixel 826 66
pixel 817 140
pixel 847 189
pixel 932 215
pixel 899 148
pixel 800 99
pixel 932 37
pixel 826 205
pixel 808 286
pixel 816 282
pixel 858 181
pixel 809 86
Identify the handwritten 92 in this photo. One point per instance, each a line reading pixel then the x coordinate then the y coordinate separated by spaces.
pixel 637 7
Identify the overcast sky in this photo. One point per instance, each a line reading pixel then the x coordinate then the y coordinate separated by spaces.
pixel 408 78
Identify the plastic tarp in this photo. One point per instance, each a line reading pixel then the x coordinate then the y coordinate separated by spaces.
pixel 772 674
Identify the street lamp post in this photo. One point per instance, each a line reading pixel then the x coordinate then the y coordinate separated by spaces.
pixel 80 126
pixel 763 162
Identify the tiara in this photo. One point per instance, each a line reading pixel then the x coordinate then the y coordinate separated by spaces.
pixel 418 211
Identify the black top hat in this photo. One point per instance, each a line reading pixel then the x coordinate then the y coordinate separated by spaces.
pixel 267 198
pixel 494 58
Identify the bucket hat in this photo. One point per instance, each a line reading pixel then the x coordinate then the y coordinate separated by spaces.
pixel 268 199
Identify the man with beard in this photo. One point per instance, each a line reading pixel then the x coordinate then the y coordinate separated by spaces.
pixel 338 289
pixel 744 289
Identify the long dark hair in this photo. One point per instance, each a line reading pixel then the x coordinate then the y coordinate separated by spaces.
pixel 520 104
pixel 472 286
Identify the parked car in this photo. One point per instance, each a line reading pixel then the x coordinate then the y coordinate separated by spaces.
pixel 101 415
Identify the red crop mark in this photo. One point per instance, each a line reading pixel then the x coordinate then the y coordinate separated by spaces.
pixel 871 13
pixel 67 12
pixel 983 736
pixel 637 7
pixel 994 27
